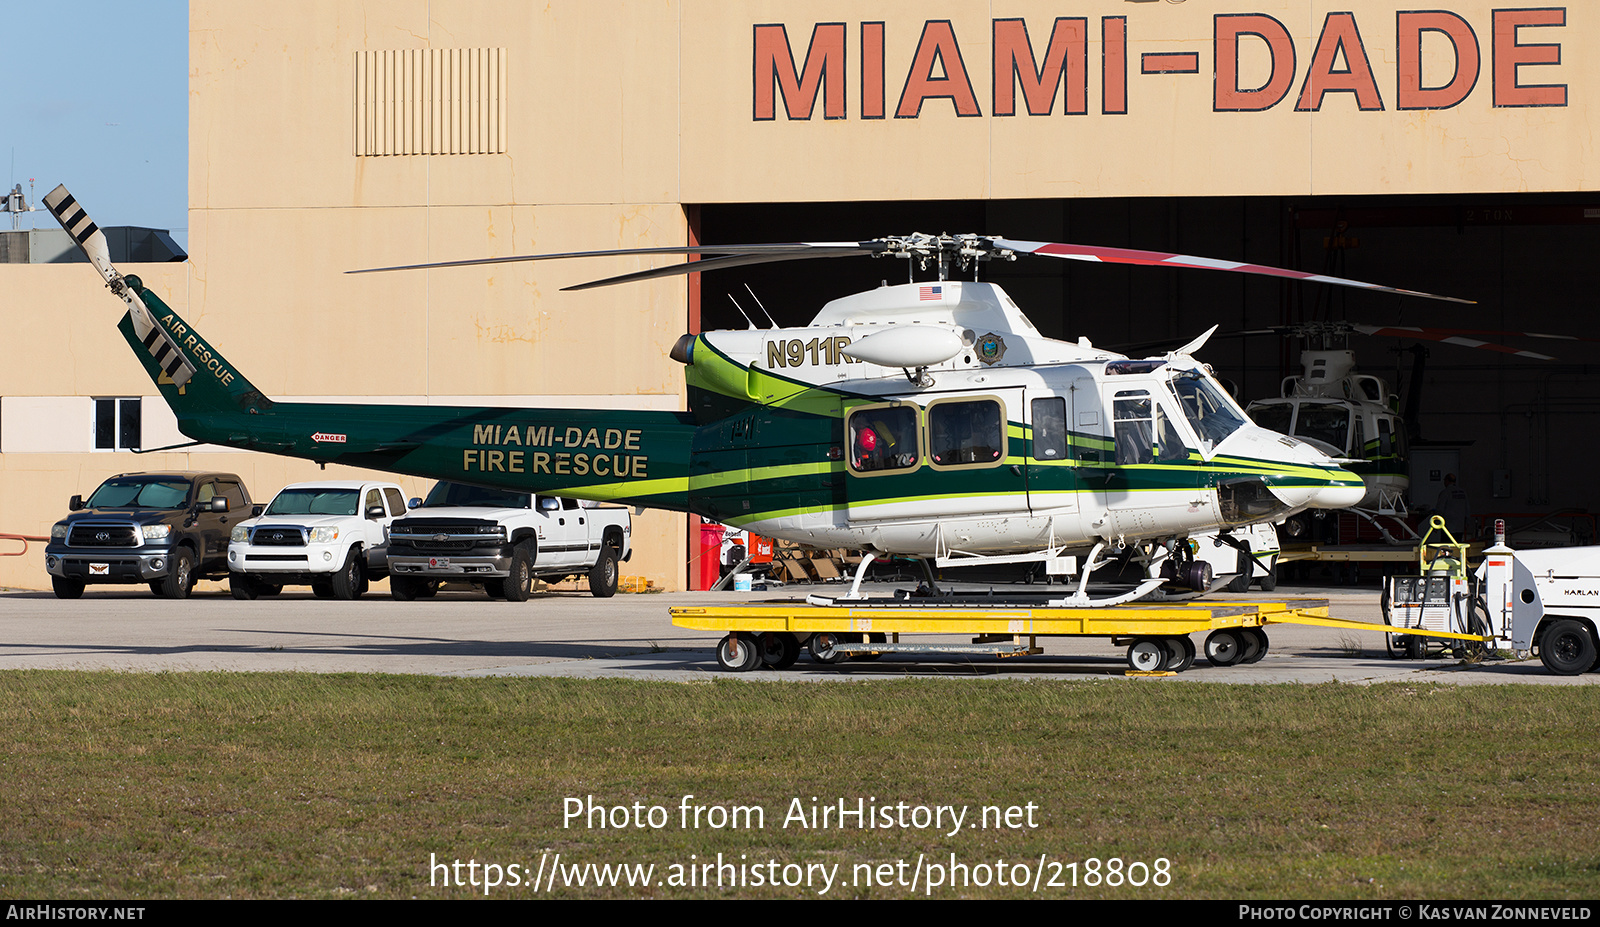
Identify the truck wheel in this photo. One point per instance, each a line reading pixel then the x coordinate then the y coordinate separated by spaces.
pixel 67 588
pixel 346 584
pixel 180 576
pixel 603 575
pixel 404 588
pixel 518 584
pixel 1269 582
pixel 243 586
pixel 1566 648
pixel 1246 567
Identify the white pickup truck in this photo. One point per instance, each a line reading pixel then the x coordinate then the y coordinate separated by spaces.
pixel 500 540
pixel 332 534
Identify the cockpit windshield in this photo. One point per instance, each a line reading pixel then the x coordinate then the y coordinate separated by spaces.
pixel 1211 413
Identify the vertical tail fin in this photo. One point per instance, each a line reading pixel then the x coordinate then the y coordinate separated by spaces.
pixel 171 352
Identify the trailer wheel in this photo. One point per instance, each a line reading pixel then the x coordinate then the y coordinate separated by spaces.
pixel 738 653
pixel 1224 647
pixel 1416 647
pixel 1566 648
pixel 1180 653
pixel 1147 655
pixel 822 646
pixel 1254 638
pixel 779 649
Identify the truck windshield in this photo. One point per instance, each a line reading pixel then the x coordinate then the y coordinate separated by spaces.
pixel 133 492
pixel 452 494
pixel 315 502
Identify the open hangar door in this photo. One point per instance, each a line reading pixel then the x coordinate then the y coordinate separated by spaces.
pixel 1532 263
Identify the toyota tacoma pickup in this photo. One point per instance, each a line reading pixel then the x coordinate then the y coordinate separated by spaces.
pixel 161 529
pixel 330 534
pixel 500 541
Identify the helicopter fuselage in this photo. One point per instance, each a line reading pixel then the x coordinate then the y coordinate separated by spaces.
pixel 1013 443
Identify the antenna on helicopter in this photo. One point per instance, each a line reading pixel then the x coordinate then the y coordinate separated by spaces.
pixel 742 312
pixel 759 306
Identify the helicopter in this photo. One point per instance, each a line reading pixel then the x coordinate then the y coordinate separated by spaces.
pixel 1358 416
pixel 928 420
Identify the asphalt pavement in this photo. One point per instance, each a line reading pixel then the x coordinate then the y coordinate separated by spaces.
pixel 465 633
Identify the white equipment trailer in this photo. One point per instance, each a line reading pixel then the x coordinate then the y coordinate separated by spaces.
pixel 1546 601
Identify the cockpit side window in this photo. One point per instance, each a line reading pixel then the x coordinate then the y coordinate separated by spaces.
pixel 1144 432
pixel 1135 427
pixel 883 438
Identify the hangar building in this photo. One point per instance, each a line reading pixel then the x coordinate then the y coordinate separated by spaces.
pixel 1444 149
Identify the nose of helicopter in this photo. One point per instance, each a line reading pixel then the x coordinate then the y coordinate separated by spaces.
pixel 1341 490
pixel 1339 495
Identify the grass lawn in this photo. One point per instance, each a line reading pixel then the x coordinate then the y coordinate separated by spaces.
pixel 300 785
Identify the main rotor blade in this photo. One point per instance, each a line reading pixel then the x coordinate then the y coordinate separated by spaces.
pixel 1448 336
pixel 716 263
pixel 1165 259
pixel 780 250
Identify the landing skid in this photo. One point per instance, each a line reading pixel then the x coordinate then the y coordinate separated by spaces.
pixel 1104 596
pixel 930 593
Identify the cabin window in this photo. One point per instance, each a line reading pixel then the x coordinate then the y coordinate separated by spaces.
pixel 883 438
pixel 1385 438
pixel 1050 429
pixel 965 433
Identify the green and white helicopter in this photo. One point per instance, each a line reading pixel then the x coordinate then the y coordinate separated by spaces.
pixel 928 419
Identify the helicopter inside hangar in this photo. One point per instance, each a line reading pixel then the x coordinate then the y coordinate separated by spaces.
pixel 1515 426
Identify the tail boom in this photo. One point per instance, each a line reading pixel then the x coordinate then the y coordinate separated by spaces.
pixel 633 457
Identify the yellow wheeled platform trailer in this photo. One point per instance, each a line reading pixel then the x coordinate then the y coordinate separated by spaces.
pixel 1157 635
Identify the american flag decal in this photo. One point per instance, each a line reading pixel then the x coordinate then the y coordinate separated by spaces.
pixel 933 291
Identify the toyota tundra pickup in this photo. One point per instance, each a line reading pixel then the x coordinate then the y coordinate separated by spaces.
pixel 161 529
